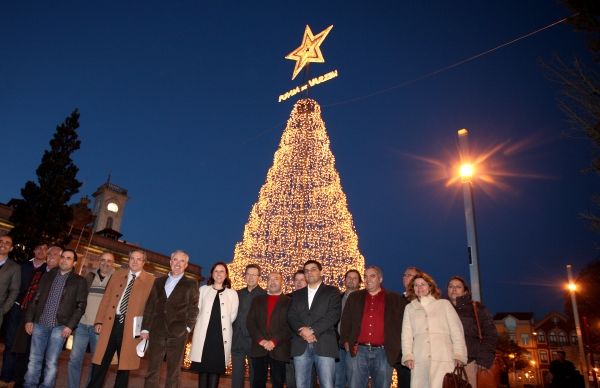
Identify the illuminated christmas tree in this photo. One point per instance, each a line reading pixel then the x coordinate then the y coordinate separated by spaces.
pixel 301 212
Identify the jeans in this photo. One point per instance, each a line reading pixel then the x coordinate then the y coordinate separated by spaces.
pixel 340 370
pixel 45 342
pixel 372 362
pixel 83 336
pixel 325 369
pixel 13 317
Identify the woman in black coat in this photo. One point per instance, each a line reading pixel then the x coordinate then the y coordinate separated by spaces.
pixel 481 345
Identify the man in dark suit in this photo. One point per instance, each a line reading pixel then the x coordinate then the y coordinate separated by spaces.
pixel 372 339
pixel 170 313
pixel 270 333
pixel 312 315
pixel 10 277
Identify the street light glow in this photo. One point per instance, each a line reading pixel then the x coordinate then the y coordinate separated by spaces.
pixel 572 286
pixel 466 170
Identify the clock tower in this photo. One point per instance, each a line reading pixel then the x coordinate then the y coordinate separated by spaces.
pixel 109 205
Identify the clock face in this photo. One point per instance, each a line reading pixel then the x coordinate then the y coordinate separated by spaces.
pixel 97 208
pixel 112 207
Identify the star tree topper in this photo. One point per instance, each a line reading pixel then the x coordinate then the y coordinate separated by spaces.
pixel 309 51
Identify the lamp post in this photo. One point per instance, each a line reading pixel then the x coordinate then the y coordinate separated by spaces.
pixel 582 358
pixel 466 172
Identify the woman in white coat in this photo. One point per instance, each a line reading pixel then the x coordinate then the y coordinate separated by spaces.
pixel 211 344
pixel 433 342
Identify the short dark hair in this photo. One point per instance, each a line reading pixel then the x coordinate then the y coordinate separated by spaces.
pixel 355 271
pixel 39 244
pixel 226 282
pixel 299 272
pixel 70 250
pixel 319 266
pixel 256 266
pixel 140 251
pixel 561 352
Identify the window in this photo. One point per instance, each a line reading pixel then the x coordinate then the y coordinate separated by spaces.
pixel 562 337
pixel 553 340
pixel 525 339
pixel 512 337
pixel 543 356
pixel 541 337
pixel 574 340
pixel 554 355
pixel 555 321
pixel 109 222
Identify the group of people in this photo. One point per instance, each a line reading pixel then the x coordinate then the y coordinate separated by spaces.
pixel 316 332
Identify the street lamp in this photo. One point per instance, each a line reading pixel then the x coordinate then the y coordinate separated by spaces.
pixel 466 172
pixel 582 360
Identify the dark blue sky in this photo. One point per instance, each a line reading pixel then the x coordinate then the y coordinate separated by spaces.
pixel 168 90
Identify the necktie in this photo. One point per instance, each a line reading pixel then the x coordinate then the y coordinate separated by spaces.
pixel 125 301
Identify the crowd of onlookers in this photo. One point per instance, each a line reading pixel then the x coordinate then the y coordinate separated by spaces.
pixel 315 333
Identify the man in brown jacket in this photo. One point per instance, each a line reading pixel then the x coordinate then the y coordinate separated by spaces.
pixel 170 314
pixel 270 333
pixel 125 298
pixel 372 340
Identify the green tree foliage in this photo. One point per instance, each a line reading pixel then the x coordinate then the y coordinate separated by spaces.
pixel 43 214
pixel 587 297
pixel 509 346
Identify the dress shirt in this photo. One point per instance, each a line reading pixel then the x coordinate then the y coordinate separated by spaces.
pixel 3 261
pixel 171 283
pixel 311 294
pixel 137 275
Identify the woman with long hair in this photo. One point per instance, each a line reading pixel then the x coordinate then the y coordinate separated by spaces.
pixel 480 333
pixel 433 342
pixel 211 344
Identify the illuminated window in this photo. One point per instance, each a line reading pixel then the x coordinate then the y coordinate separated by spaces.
pixel 553 339
pixel 555 321
pixel 543 356
pixel 562 337
pixel 574 340
pixel 541 337
pixel 525 339
pixel 554 355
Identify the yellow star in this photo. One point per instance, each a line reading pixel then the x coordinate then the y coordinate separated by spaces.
pixel 309 51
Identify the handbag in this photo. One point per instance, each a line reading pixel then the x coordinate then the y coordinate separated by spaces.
pixel 488 378
pixel 456 379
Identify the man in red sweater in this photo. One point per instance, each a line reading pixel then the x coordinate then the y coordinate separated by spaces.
pixel 270 333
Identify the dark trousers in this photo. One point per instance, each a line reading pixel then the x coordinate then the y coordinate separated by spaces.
pixel 158 346
pixel 21 364
pixel 261 364
pixel 13 317
pixel 403 376
pixel 114 345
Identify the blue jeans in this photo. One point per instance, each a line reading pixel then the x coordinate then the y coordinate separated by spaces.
pixel 45 342
pixel 325 369
pixel 368 362
pixel 83 336
pixel 340 370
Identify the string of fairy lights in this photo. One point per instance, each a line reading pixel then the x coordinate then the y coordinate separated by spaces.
pixel 301 212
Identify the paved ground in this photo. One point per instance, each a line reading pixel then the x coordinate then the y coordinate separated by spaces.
pixel 136 377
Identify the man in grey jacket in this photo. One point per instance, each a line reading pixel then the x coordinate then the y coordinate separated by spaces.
pixel 10 277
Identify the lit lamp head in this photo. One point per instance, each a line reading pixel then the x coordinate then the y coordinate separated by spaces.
pixel 572 286
pixel 466 172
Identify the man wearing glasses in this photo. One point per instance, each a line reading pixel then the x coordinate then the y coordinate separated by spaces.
pixel 124 299
pixel 242 342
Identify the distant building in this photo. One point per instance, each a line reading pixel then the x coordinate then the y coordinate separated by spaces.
pixel 96 231
pixel 520 327
pixel 556 332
